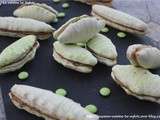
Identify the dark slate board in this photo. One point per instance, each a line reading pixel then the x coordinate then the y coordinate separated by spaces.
pixel 83 88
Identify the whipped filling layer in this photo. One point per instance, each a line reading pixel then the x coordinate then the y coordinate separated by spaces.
pixel 25 32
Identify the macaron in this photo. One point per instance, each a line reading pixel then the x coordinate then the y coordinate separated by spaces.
pixel 120 20
pixel 103 49
pixel 78 29
pixel 144 56
pixel 138 82
pixel 74 57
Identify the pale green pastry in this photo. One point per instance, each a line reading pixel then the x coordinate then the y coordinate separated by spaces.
pixel 104 50
pixel 18 53
pixel 137 82
pixel 74 57
pixel 37 11
pixel 144 56
pixel 79 29
pixel 20 27
pixel 48 105
pixel 119 20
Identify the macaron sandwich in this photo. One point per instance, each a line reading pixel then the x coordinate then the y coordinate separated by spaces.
pixel 79 29
pixel 20 27
pixel 74 57
pixel 103 49
pixel 38 11
pixel 144 56
pixel 138 82
pixel 18 54
pixel 120 20
pixel 48 105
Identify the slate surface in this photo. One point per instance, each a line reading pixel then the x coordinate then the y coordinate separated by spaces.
pixel 46 73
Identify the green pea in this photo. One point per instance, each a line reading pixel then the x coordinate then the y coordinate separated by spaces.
pixel 65 5
pixel 23 75
pixel 91 108
pixel 55 20
pixel 61 14
pixel 56 1
pixel 121 34
pixel 105 30
pixel 104 91
pixel 61 92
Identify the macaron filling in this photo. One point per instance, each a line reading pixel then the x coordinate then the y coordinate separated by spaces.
pixel 25 32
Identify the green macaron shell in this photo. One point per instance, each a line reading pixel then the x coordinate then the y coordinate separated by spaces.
pixel 17 50
pixel 57 33
pixel 79 29
pixel 75 53
pixel 101 45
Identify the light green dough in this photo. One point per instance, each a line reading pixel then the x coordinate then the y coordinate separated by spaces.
pixel 138 80
pixel 75 53
pixel 102 46
pixel 17 50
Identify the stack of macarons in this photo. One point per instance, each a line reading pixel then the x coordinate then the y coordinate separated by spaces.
pixel 67 50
